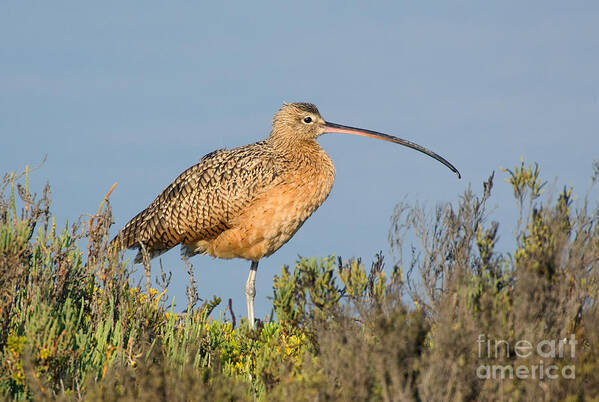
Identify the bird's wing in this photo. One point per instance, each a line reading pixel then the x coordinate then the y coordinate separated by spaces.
pixel 203 200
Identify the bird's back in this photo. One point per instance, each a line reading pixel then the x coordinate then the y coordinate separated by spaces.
pixel 202 202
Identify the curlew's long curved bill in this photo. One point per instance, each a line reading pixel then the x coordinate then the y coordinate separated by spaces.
pixel 338 128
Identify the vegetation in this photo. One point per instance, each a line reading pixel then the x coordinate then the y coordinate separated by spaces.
pixel 455 320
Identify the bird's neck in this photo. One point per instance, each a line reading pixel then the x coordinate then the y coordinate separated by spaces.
pixel 295 148
pixel 308 157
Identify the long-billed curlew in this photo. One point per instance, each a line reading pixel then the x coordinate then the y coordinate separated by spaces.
pixel 248 201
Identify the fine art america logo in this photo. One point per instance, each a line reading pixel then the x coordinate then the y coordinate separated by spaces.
pixel 542 358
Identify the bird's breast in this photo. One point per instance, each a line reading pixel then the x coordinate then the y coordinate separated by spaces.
pixel 274 217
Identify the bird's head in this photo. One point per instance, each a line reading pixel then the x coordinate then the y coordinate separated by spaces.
pixel 298 122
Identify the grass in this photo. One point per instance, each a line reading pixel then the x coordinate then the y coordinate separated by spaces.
pixel 455 319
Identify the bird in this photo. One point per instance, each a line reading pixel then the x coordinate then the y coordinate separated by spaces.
pixel 247 202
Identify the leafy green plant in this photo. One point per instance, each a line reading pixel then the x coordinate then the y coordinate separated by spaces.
pixel 75 325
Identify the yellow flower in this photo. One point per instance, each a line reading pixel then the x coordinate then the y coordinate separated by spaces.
pixel 45 353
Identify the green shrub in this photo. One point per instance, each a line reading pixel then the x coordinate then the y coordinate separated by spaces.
pixel 75 325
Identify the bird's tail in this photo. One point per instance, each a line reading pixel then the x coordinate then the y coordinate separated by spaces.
pixel 129 236
pixel 137 232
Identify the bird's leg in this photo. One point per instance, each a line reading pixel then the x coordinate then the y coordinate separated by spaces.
pixel 250 292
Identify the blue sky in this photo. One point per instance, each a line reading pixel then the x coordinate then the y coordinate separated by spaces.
pixel 118 92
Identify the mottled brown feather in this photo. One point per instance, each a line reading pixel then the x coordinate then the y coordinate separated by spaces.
pixel 200 203
pixel 244 202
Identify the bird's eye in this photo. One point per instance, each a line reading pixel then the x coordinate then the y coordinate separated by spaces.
pixel 307 119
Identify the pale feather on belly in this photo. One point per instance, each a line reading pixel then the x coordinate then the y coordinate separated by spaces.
pixel 269 223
